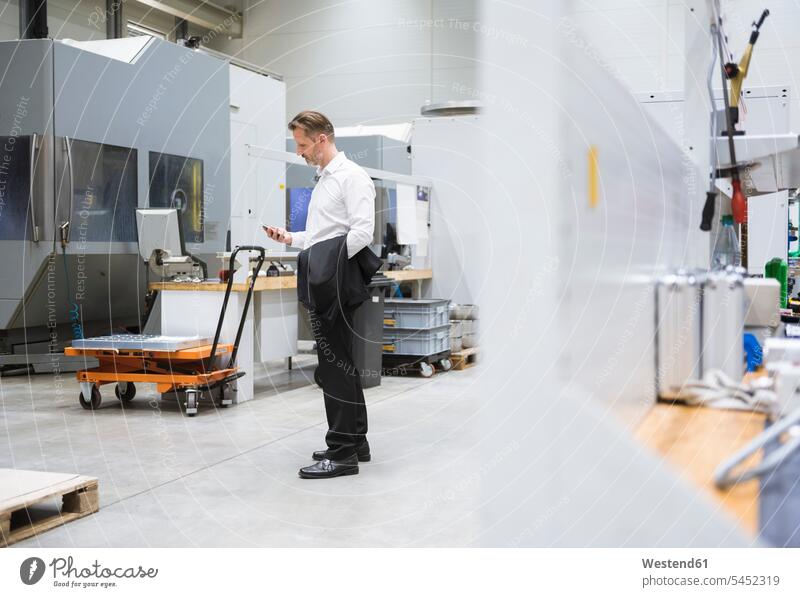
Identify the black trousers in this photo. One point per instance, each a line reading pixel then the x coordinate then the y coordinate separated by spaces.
pixel 341 385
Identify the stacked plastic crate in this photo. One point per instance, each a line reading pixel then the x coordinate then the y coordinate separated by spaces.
pixel 463 334
pixel 464 324
pixel 416 333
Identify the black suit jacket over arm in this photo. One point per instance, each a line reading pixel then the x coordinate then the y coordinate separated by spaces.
pixel 329 283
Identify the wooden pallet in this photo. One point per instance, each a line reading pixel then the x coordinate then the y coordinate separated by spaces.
pixel 464 359
pixel 20 490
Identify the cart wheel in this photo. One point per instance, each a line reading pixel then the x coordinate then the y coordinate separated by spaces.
pixel 125 391
pixel 95 401
pixel 191 402
pixel 446 364
pixel 426 369
pixel 224 400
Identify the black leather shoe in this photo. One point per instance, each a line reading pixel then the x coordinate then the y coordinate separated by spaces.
pixel 325 469
pixel 362 453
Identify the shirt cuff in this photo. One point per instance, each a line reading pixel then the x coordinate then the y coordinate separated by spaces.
pixel 298 240
pixel 355 242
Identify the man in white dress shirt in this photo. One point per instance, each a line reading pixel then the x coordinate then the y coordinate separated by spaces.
pixel 342 203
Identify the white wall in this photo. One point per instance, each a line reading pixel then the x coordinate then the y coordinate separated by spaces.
pixel 361 61
pixel 447 150
pixel 643 41
pixel 258 117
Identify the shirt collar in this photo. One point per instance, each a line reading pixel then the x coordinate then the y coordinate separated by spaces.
pixel 334 164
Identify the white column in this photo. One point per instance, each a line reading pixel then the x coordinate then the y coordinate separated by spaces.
pixel 275 324
pixel 190 313
pixel 696 118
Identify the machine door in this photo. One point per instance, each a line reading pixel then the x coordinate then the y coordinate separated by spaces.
pixel 177 181
pixel 23 203
pixel 26 169
pixel 94 275
pixel 97 197
pixel 26 216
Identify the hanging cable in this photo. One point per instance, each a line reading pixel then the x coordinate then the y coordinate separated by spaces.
pixel 72 307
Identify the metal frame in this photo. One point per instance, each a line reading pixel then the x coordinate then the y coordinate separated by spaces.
pixel 253 279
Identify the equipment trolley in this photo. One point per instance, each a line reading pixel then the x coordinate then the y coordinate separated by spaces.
pixel 188 364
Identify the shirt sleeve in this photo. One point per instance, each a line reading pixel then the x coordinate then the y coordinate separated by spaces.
pixel 360 202
pixel 299 240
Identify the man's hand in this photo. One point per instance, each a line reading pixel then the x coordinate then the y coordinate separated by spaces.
pixel 278 234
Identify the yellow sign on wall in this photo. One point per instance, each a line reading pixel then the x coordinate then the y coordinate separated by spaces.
pixel 594 178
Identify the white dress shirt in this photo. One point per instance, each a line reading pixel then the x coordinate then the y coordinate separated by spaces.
pixel 343 202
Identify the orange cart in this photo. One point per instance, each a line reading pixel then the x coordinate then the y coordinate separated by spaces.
pixel 191 365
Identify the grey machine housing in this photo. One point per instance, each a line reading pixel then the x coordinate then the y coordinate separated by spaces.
pixel 86 129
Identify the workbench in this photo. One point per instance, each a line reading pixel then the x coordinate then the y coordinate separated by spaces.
pixel 270 332
pixel 417 276
pixel 695 440
pixel 280 282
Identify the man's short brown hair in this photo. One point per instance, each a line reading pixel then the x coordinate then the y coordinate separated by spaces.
pixel 312 123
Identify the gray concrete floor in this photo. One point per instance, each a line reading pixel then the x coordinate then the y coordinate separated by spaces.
pixel 228 477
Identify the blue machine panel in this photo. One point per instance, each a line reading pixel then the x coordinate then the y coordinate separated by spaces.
pixel 299 199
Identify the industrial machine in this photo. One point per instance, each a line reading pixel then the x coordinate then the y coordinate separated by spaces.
pixel 162 247
pixel 737 73
pixel 98 130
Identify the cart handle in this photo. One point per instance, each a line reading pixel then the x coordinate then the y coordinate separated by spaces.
pixel 224 380
pixel 261 258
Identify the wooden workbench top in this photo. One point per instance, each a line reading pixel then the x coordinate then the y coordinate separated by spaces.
pixel 263 283
pixel 409 275
pixel 695 440
pixel 277 282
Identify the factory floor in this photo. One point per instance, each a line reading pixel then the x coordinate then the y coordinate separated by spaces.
pixel 228 477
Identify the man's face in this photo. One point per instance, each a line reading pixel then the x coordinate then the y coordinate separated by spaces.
pixel 309 148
